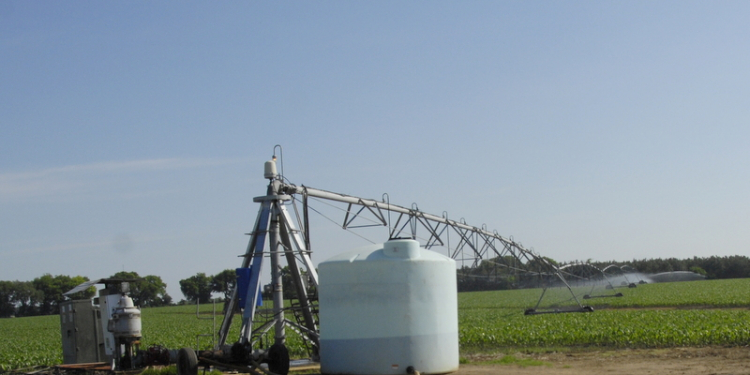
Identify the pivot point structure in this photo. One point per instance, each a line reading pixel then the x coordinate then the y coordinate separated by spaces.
pixel 281 234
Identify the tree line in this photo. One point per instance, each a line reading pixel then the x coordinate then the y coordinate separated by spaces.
pixel 489 277
pixel 43 295
pixel 201 287
pixel 714 267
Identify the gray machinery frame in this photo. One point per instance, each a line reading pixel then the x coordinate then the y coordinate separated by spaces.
pixel 289 237
pixel 591 275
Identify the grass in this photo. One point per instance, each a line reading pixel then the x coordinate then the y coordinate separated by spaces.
pixel 698 313
pixel 704 293
pixel 607 328
pixel 649 316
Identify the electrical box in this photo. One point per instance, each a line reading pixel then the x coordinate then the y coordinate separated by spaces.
pixel 80 324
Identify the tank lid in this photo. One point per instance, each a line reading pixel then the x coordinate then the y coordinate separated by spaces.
pixel 401 248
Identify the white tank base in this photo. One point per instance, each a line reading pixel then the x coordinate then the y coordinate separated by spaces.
pixel 349 355
pixel 387 307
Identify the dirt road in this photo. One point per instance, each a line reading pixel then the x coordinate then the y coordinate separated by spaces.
pixel 615 362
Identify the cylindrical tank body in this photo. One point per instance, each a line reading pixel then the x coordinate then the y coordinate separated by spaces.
pixel 387 307
pixel 126 320
pixel 269 170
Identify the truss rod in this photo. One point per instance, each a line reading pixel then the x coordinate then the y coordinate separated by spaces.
pixel 479 241
pixel 323 194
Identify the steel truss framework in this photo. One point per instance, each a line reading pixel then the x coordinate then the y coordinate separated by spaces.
pixel 277 233
pixel 492 254
pixel 624 271
pixel 586 275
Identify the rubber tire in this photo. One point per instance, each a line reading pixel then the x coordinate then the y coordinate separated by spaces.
pixel 187 362
pixel 278 359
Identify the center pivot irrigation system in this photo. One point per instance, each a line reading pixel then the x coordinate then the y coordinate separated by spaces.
pixel 282 230
pixel 585 275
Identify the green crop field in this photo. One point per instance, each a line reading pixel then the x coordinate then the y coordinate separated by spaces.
pixel 697 313
pixel 36 340
pixel 30 341
pixel 705 293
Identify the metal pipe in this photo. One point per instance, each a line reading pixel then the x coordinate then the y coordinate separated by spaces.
pixel 323 194
pixel 276 276
pixel 465 230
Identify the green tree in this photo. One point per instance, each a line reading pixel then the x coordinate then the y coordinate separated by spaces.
pixel 541 265
pixel 53 287
pixel 287 283
pixel 7 307
pixel 197 287
pixel 26 298
pixel 224 282
pixel 148 291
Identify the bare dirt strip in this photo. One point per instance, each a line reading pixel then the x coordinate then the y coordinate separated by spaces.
pixel 703 361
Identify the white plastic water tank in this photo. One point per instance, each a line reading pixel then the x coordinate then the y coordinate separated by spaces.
pixel 385 308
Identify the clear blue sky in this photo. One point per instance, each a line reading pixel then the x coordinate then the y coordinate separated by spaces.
pixel 133 133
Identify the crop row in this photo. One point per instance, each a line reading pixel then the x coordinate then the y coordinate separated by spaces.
pixel 486 320
pixel 177 327
pixel 27 342
pixel 36 341
pixel 481 329
pixel 713 293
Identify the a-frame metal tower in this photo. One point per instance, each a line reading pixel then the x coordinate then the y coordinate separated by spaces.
pixel 279 233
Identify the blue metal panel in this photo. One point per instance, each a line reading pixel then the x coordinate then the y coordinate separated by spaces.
pixel 243 281
pixel 256 265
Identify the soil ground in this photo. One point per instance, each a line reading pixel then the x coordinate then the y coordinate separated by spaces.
pixel 704 361
pixel 673 361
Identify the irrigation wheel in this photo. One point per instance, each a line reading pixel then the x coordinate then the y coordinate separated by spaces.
pixel 187 362
pixel 278 359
